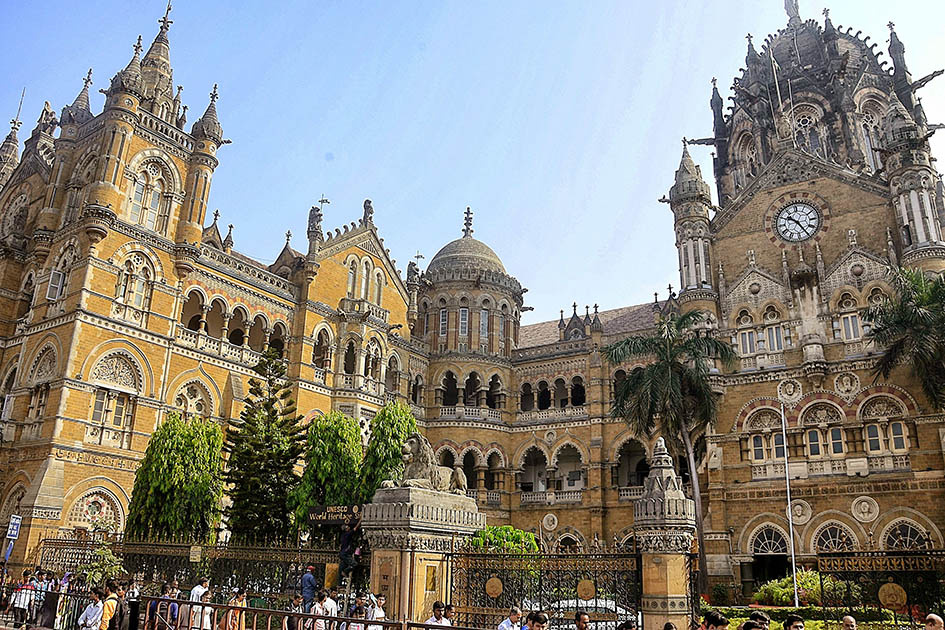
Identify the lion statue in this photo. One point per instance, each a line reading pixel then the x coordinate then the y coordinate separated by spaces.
pixel 422 471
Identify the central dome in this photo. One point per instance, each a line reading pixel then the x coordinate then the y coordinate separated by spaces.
pixel 466 252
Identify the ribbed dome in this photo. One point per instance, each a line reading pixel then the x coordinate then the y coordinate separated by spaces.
pixel 466 252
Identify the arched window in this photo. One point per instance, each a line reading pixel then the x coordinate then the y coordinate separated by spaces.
pixel 834 537
pixel 378 288
pixel 746 334
pixel 776 335
pixel 322 350
pixel 492 394
pixel 810 134
pixel 848 324
pixel 59 276
pixel 350 359
pixel 544 395
pixel 527 397
pixel 870 118
pixel 191 400
pixel 146 197
pixel 366 280
pixel 768 541
pixel 578 395
pixel 134 283
pixel 14 220
pixel 906 535
pixel 450 390
pixel 352 278
pixel 746 160
pixel 416 391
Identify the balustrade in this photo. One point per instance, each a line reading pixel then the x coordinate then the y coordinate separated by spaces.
pixel 219 347
pixel 553 413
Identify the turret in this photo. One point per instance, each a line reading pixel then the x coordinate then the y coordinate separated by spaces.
pixel 912 182
pixel 690 200
pixel 9 152
pixel 157 75
pixel 80 112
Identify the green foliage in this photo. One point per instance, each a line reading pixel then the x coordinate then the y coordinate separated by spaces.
pixel 910 327
pixel 178 487
pixel 504 539
pixel 721 594
pixel 332 462
pixel 264 445
pixel 382 460
pixel 781 592
pixel 102 565
pixel 671 394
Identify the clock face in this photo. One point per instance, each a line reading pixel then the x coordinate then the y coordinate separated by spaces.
pixel 797 222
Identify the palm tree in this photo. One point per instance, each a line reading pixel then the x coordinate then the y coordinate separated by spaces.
pixel 911 329
pixel 671 394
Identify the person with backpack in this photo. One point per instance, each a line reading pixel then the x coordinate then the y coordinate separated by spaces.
pixel 162 613
pixel 22 600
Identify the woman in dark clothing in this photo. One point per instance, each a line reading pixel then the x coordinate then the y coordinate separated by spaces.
pixel 46 615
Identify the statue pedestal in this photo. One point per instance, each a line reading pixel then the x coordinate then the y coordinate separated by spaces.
pixel 411 531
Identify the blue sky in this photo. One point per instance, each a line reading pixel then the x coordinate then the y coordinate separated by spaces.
pixel 558 122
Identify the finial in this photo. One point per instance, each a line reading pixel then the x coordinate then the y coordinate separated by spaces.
pixel 715 82
pixel 587 310
pixel 418 257
pixel 323 201
pixel 669 289
pixel 87 81
pixel 16 122
pixel 216 215
pixel 748 37
pixel 656 296
pixel 891 25
pixel 595 309
pixel 214 95
pixel 164 21
pixel 467 223
pixel 574 306
pixel 138 46
pixel 288 236
pixel 827 13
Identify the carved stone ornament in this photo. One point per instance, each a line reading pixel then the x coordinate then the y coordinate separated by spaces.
pixel 421 470
pixel 847 384
pixel 801 512
pixel 865 509
pixel 550 437
pixel 549 522
pixel 881 407
pixel 822 413
pixel 763 419
pixel 663 541
pixel 790 391
pixel 115 369
pixel 45 366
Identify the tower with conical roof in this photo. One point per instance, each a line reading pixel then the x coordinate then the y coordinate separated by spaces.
pixel 9 152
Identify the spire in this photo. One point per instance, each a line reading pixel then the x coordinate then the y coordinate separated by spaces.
pixel 80 110
pixel 228 241
pixel 467 223
pixel 715 102
pixel 596 325
pixel 129 79
pixel 158 76
pixel 828 25
pixel 10 147
pixel 897 51
pixel 752 54
pixel 561 324
pixel 208 126
pixel 587 315
pixel 689 183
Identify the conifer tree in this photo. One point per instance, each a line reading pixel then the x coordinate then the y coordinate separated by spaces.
pixel 332 462
pixel 178 487
pixel 382 460
pixel 264 447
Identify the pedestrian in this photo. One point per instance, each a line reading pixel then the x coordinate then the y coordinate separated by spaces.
pixel 761 618
pixel 122 617
pixel 631 624
pixel 163 612
pixel 581 620
pixel 716 621
pixel 358 603
pixel 349 545
pixel 41 584
pixel 46 610
pixel 309 587
pixel 22 600
pixel 849 623
pixel 357 613
pixel 175 589
pixel 201 615
pixel 331 603
pixel 540 621
pixel 377 612
pixel 438 619
pixel 111 603
pixel 235 617
pixel 512 622
pixel 448 613
pixel 295 610
pixel 92 615
pixel 793 622
pixel 319 609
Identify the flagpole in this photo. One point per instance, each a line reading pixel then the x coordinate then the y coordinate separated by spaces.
pixel 790 520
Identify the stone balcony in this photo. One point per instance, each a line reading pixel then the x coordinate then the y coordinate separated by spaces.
pixel 554 413
pixel 632 493
pixel 850 466
pixel 363 307
pixel 217 347
pixel 552 497
pixel 470 413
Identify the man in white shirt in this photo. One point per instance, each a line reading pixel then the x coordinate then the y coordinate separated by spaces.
pixel 377 612
pixel 202 586
pixel 331 606
pixel 438 619
pixel 512 621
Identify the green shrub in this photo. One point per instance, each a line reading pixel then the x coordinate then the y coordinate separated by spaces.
pixel 721 594
pixel 781 592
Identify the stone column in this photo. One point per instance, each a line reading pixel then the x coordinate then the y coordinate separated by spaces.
pixel 411 532
pixel 664 525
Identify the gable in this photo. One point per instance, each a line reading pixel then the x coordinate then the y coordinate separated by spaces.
pixel 361 240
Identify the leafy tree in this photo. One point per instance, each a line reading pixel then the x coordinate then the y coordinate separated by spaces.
pixel 382 460
pixel 911 329
pixel 671 393
pixel 332 462
pixel 178 487
pixel 102 565
pixel 504 539
pixel 264 446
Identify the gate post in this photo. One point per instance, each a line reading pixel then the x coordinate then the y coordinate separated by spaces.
pixel 663 525
pixel 411 532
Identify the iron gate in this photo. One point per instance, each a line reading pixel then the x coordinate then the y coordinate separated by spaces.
pixel 909 583
pixel 604 583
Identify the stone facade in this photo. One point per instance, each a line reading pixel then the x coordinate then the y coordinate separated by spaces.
pixel 117 304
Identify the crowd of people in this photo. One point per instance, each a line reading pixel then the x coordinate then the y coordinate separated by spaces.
pixel 38 600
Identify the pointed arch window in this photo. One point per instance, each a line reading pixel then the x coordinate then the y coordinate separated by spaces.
pixel 146 198
pixel 352 278
pixel 366 281
pixel 869 133
pixel 378 288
